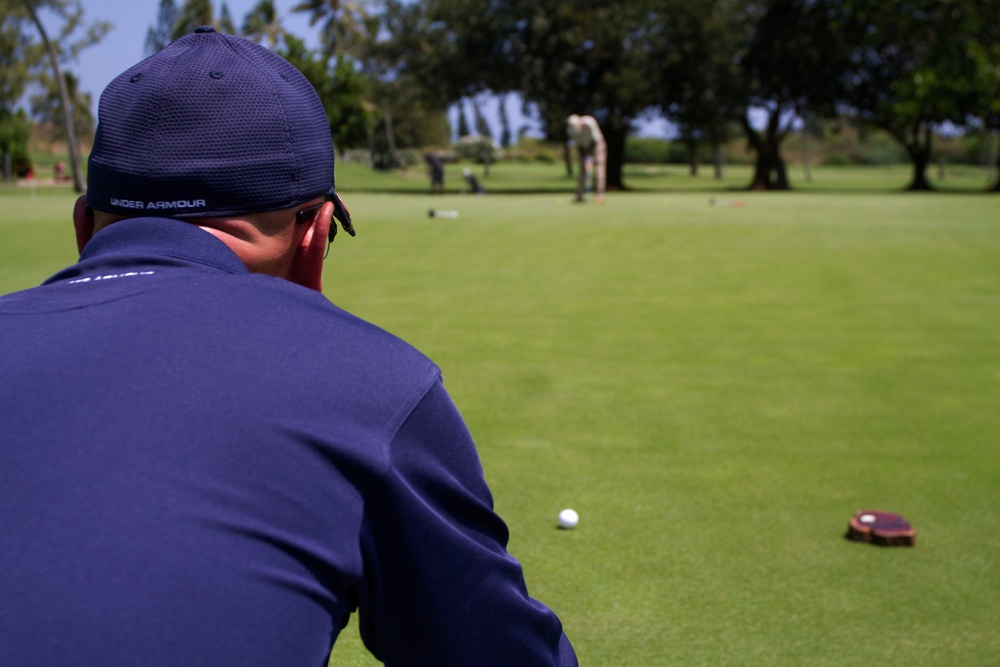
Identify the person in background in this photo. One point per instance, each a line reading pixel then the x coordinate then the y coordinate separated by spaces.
pixel 585 134
pixel 474 185
pixel 436 166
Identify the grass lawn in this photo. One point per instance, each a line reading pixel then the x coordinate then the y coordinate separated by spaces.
pixel 715 380
pixel 552 178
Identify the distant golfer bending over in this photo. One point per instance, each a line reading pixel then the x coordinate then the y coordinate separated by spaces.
pixel 585 134
pixel 203 462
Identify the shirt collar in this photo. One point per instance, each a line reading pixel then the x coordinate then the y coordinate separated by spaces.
pixel 140 240
pixel 139 237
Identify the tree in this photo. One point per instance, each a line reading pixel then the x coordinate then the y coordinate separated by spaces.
pixel 588 58
pixel 416 124
pixel 699 80
pixel 224 23
pixel 408 109
pixel 72 17
pixel 15 129
pixel 193 13
pixel 346 25
pixel 262 24
pixel 482 126
pixel 912 70
pixel 47 106
pixel 18 53
pixel 504 123
pixel 413 108
pixel 569 56
pixel 411 54
pixel 792 67
pixel 161 33
pixel 347 105
pixel 484 131
pixel 984 49
pixel 349 31
pixel 463 121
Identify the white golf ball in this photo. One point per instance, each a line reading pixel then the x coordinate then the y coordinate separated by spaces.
pixel 568 519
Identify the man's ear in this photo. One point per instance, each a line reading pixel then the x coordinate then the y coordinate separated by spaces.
pixel 307 263
pixel 83 222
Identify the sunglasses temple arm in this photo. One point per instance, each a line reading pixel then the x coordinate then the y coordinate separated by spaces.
pixel 341 213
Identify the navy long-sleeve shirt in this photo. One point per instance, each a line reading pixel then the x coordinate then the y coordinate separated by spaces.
pixel 202 466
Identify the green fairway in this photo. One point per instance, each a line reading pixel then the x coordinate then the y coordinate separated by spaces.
pixel 716 381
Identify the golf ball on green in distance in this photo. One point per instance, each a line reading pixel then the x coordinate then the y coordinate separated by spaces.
pixel 568 519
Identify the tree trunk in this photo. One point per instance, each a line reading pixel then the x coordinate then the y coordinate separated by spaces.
pixel 390 136
pixel 692 145
pixel 761 174
pixel 487 156
pixel 717 159
pixel 996 185
pixel 769 172
pixel 918 141
pixel 780 172
pixel 806 157
pixel 918 147
pixel 768 169
pixel 919 158
pixel 615 138
pixel 72 145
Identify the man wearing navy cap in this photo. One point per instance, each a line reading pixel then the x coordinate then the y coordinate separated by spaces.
pixel 202 464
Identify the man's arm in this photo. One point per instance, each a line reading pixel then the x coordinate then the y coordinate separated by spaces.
pixel 440 586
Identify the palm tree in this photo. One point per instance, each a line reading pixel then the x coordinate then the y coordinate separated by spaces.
pixel 349 30
pixel 162 32
pixel 194 13
pixel 346 25
pixel 48 107
pixel 263 23
pixel 67 107
pixel 225 23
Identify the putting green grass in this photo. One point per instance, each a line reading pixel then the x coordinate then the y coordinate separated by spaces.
pixel 716 382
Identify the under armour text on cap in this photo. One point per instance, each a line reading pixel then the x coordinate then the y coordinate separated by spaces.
pixel 211 125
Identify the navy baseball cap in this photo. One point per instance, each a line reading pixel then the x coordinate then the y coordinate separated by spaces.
pixel 212 125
